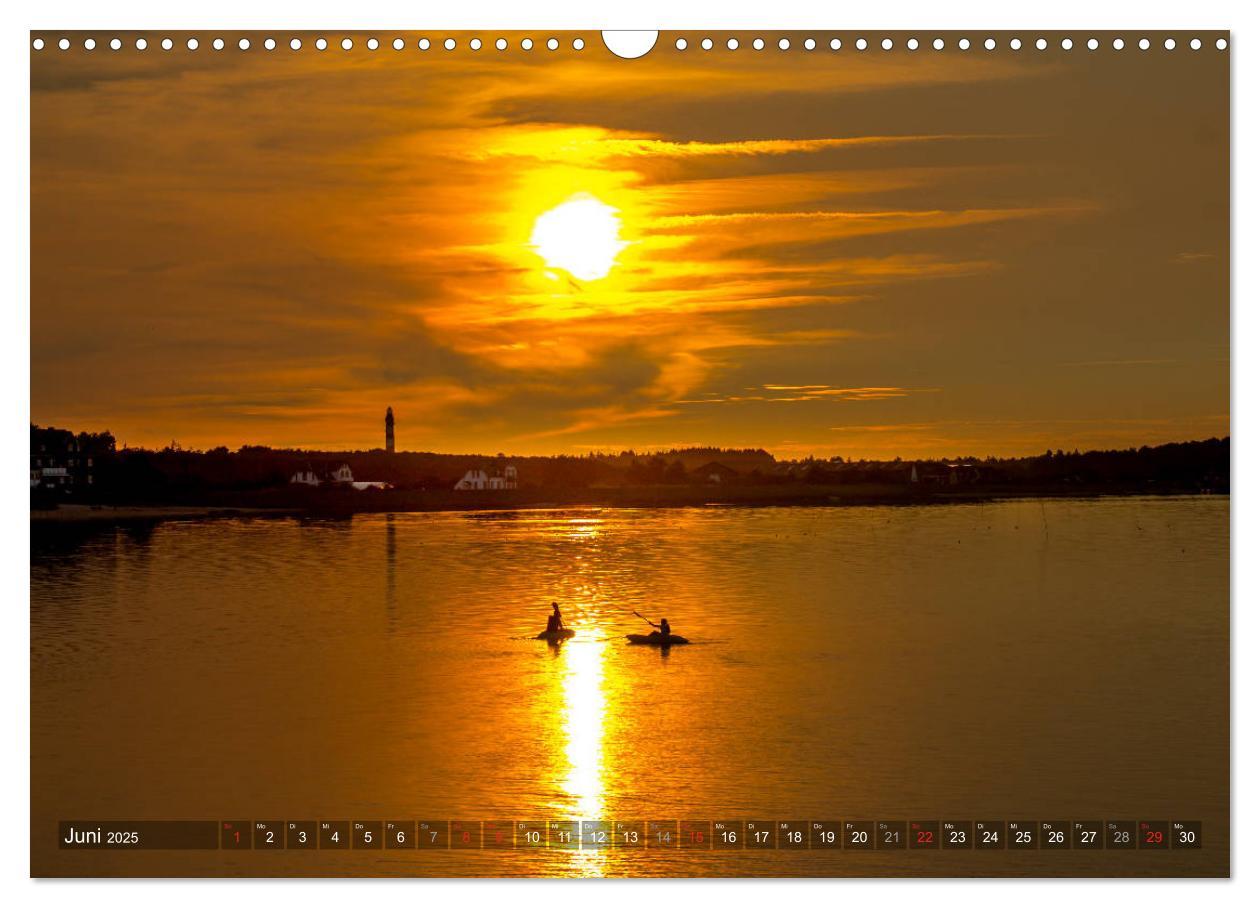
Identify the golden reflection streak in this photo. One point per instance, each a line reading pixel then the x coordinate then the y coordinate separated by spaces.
pixel 585 704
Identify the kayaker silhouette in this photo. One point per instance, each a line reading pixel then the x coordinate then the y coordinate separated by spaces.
pixel 664 637
pixel 554 622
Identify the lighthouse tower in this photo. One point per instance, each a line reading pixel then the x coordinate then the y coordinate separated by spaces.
pixel 389 430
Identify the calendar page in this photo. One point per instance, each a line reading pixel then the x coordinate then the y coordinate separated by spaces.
pixel 692 454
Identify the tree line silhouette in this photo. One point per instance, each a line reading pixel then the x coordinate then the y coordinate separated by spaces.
pixel 125 474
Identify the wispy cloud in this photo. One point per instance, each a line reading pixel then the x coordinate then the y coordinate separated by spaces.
pixel 586 144
pixel 796 393
pixel 868 221
pixel 1192 258
pixel 1121 362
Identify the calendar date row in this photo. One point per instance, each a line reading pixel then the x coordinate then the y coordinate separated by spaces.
pixel 708 835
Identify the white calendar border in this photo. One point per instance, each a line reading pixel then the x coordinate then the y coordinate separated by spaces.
pixel 673 14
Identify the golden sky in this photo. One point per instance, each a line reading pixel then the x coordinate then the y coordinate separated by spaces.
pixel 869 254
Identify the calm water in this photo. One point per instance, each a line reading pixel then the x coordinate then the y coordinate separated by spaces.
pixel 1023 660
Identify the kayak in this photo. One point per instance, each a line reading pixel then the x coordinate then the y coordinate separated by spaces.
pixel 555 636
pixel 656 638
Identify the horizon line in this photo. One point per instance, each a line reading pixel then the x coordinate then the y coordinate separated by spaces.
pixel 645 452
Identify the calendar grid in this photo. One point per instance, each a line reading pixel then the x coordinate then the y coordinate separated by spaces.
pixel 633 835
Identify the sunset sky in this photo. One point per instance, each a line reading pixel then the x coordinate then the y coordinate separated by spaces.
pixel 869 254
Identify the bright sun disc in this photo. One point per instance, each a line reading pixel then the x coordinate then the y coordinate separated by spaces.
pixel 580 236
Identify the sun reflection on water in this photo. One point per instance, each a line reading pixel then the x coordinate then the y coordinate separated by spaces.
pixel 583 713
pixel 576 528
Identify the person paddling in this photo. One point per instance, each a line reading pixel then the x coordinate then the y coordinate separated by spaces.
pixel 663 627
pixel 555 623
pixel 664 637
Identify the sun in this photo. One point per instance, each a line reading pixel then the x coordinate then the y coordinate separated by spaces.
pixel 581 235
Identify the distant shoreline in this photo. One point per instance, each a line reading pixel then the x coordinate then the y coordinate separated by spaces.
pixel 342 504
pixel 74 514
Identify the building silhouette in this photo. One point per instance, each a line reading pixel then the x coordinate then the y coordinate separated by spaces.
pixel 389 430
pixel 65 462
pixel 480 480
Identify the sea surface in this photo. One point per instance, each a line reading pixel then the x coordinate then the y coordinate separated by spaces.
pixel 1023 660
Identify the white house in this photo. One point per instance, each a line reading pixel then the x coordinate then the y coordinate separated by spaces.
pixel 308 477
pixel 474 480
pixel 481 480
pixel 305 477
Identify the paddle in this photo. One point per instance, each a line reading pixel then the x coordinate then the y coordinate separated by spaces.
pixel 640 616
